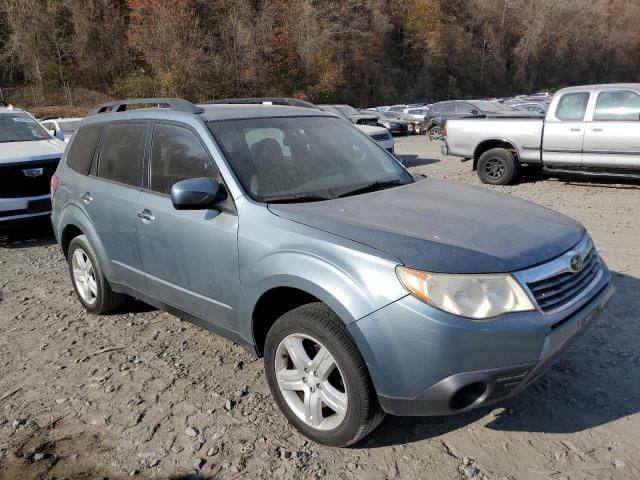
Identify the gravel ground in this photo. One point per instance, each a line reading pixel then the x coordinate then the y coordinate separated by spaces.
pixel 143 393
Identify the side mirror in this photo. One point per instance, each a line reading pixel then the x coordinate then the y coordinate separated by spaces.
pixel 197 194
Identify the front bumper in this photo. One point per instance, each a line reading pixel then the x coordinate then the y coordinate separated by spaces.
pixel 426 362
pixel 16 209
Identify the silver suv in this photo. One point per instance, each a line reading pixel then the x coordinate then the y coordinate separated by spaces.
pixel 296 235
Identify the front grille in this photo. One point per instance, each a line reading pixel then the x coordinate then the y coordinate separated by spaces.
pixel 380 136
pixel 554 292
pixel 14 182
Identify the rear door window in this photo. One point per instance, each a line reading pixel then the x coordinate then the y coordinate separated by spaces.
pixel 621 105
pixel 177 154
pixel 120 158
pixel 572 106
pixel 83 147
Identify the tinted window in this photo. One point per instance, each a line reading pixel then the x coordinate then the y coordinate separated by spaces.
pixel 82 148
pixel 617 105
pixel 572 106
pixel 447 107
pixel 121 153
pixel 464 107
pixel 176 155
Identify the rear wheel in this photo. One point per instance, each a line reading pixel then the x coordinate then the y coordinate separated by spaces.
pixel 435 133
pixel 318 377
pixel 497 166
pixel 91 286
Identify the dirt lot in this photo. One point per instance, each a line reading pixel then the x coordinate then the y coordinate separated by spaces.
pixel 143 393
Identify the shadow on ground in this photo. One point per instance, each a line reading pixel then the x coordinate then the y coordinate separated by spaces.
pixel 32 233
pixel 415 161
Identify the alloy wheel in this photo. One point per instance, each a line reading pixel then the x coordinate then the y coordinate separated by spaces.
pixel 311 382
pixel 495 168
pixel 435 134
pixel 84 276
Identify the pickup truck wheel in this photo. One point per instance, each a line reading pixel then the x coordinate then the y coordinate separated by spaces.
pixel 318 378
pixel 91 286
pixel 497 167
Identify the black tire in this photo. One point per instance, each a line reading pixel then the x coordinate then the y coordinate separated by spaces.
pixel 363 413
pixel 435 133
pixel 498 166
pixel 106 299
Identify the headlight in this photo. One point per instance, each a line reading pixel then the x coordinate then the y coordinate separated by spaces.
pixel 479 297
pixel 386 125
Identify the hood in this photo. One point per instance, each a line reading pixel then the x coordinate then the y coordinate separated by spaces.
pixel 443 226
pixel 370 130
pixel 18 152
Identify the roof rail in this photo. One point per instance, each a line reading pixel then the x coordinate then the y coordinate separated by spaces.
pixel 176 104
pixel 293 102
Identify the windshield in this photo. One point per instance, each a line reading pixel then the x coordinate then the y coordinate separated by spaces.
pixel 304 158
pixel 20 127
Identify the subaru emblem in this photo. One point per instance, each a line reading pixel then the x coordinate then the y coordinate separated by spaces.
pixel 576 263
pixel 32 172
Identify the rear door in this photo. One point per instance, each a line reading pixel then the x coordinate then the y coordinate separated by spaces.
pixel 109 195
pixel 190 257
pixel 612 137
pixel 564 130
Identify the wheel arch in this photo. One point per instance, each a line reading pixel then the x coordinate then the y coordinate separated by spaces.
pixel 75 222
pixel 276 300
pixel 490 143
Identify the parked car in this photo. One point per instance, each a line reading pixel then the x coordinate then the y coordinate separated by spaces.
pixel 61 128
pixel 592 129
pixel 416 126
pixel 28 157
pixel 299 238
pixel 419 113
pixel 394 123
pixel 531 107
pixel 441 112
pixel 352 114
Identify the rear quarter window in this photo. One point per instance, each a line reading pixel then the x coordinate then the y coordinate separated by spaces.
pixel 82 148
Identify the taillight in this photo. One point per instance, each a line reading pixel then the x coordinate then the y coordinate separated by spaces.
pixel 53 185
pixel 444 132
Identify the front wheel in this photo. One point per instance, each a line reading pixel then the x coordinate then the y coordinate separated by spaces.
pixel 318 378
pixel 497 166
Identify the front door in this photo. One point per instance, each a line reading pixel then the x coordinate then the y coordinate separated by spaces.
pixel 564 131
pixel 612 138
pixel 190 257
pixel 109 196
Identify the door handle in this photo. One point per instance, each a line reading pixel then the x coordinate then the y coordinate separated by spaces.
pixel 86 197
pixel 146 215
pixel 596 129
pixel 576 130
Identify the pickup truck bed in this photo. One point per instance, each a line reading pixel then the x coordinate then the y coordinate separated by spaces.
pixel 591 129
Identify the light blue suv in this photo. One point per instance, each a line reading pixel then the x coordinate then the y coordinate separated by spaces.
pixel 292 233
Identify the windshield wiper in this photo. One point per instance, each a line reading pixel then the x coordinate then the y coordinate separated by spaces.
pixel 372 187
pixel 297 199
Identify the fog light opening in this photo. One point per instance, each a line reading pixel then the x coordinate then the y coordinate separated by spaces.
pixel 467 395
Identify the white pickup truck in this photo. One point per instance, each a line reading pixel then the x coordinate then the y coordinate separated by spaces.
pixel 591 129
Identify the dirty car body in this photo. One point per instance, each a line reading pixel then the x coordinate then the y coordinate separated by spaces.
pixel 238 266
